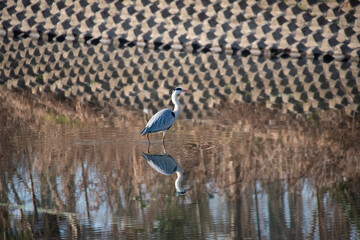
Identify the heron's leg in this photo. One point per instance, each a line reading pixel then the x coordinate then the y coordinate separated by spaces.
pixel 164 149
pixel 148 138
pixel 164 132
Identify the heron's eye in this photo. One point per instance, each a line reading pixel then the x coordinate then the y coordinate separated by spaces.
pixel 178 89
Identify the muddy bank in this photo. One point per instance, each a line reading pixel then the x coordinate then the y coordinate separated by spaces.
pixel 22 107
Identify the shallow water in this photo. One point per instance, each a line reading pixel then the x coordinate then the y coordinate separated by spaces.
pixel 248 179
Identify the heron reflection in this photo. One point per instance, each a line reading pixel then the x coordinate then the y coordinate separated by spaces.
pixel 165 164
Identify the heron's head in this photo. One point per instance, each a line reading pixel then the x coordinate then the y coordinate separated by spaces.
pixel 182 192
pixel 179 90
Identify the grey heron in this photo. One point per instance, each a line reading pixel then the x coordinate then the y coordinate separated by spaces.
pixel 165 118
pixel 166 165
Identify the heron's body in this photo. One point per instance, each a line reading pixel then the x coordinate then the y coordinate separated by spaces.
pixel 165 118
pixel 161 121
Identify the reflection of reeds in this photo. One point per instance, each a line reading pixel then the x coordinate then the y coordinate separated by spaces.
pixel 98 171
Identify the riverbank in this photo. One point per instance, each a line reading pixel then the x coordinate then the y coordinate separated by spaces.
pixel 22 107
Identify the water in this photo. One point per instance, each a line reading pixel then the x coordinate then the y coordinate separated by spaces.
pixel 248 179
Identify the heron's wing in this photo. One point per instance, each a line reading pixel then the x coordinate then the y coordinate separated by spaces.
pixel 162 120
pixel 164 164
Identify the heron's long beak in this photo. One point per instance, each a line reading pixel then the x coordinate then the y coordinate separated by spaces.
pixel 186 90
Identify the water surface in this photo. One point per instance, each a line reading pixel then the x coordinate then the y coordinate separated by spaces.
pixel 248 179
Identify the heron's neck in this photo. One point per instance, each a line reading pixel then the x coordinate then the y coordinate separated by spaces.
pixel 178 181
pixel 177 105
